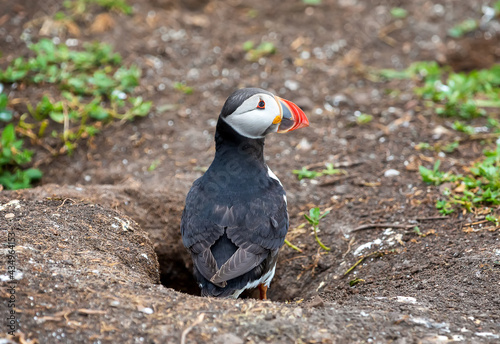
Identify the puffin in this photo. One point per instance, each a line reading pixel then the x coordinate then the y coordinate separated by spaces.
pixel 235 217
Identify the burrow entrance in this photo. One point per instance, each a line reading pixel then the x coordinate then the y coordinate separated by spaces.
pixel 176 275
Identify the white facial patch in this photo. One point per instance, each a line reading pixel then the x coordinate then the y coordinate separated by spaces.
pixel 250 121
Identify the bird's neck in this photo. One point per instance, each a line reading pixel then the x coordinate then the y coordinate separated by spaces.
pixel 231 145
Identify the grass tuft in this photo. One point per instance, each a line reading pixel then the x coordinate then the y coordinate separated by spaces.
pixel 94 89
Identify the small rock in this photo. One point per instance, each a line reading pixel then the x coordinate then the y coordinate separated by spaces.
pixel 292 85
pixel 145 310
pixel 297 312
pixel 406 299
pixel 341 100
pixel 391 173
pixel 269 316
pixel 439 131
pixel 343 189
pixel 229 338
pixel 6 341
pixel 9 216
pixel 316 302
pixel 304 145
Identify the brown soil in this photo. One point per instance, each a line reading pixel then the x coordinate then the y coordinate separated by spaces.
pixel 89 274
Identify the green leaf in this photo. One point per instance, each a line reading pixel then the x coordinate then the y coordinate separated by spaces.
pixel 8 135
pixel 355 281
pixel 3 101
pixel 463 28
pixel 324 214
pixel 364 119
pixel 99 113
pixel 449 148
pixel 492 218
pixel 43 109
pixel 77 84
pixel 128 78
pixel 305 173
pixel 33 173
pixel 496 6
pixel 248 45
pixel 183 88
pixel 312 2
pixel 266 48
pixel 57 117
pixel 394 74
pixel 398 12
pixel 103 83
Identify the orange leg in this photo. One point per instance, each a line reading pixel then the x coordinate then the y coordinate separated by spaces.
pixel 263 292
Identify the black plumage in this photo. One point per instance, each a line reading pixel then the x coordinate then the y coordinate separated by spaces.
pixel 234 206
pixel 235 219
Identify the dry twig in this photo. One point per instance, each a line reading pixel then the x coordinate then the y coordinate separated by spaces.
pixel 432 218
pixel 188 329
pixel 381 225
pixel 376 253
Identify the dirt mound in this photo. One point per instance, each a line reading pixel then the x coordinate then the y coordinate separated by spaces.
pixel 87 273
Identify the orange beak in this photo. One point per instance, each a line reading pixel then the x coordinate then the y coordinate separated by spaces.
pixel 292 117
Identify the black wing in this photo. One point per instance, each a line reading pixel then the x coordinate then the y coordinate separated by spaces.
pixel 255 222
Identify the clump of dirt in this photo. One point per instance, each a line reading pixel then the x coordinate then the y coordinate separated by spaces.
pixel 157 211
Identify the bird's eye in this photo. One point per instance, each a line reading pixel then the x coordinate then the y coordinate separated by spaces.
pixel 261 105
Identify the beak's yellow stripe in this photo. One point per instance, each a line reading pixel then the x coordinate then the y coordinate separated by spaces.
pixel 277 120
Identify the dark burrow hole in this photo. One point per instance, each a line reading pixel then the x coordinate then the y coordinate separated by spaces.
pixel 174 274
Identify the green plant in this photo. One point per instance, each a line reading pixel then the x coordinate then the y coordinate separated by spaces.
pixel 496 7
pixel 329 170
pixel 435 176
pixel 398 12
pixel 182 87
pixel 463 28
pixel 355 281
pixel 306 173
pixel 252 13
pixel 464 128
pixel 89 80
pixel 424 146
pixel 5 115
pixel 255 53
pixel 363 119
pixel 312 2
pixel 450 147
pixel 154 165
pixel 12 158
pixel 79 7
pixel 94 90
pixel 493 219
pixel 464 95
pixel 313 218
pixel 438 147
pixel 444 207
pixel 479 187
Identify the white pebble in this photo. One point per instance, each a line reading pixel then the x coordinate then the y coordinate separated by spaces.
pixel 391 173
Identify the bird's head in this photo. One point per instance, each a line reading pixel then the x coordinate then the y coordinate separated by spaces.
pixel 254 113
